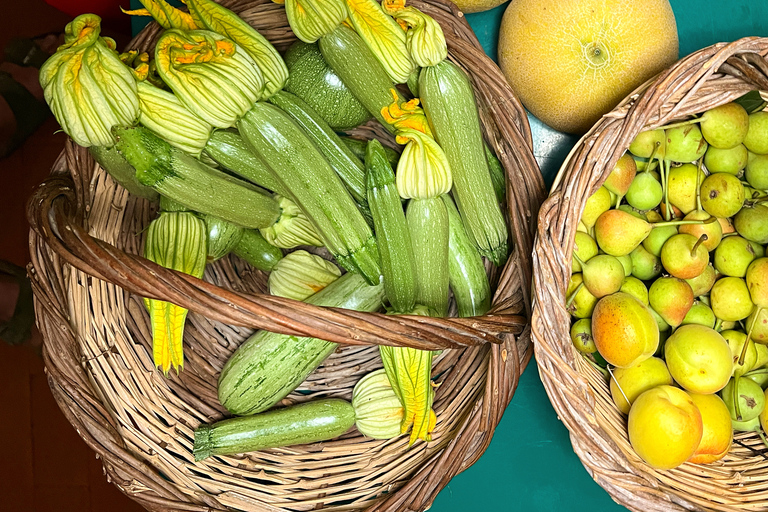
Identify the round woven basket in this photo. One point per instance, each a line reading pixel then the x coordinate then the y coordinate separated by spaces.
pixel 89 283
pixel 578 392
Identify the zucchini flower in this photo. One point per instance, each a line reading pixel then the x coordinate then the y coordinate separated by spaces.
pixel 166 15
pixel 423 171
pixel 424 37
pixel 292 229
pixel 385 38
pixel 409 371
pixel 405 115
pixel 210 74
pixel 312 19
pixel 378 411
pixel 301 274
pixel 219 19
pixel 87 87
pixel 175 240
pixel 163 113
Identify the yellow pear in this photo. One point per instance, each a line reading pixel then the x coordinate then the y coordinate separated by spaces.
pixel 572 61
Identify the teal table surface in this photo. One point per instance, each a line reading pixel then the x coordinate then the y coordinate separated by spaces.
pixel 530 465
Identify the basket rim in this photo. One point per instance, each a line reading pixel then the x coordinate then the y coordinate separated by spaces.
pixel 713 75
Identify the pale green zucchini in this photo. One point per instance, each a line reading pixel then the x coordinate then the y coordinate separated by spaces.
pixel 428 226
pixel 229 150
pixel 309 422
pixel 466 273
pixel 269 366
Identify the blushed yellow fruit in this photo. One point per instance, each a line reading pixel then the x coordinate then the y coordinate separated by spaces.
pixel 571 61
pixel 717 434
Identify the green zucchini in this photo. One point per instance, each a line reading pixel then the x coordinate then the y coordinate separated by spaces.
pixel 121 171
pixel 449 104
pixel 229 150
pixel 498 176
pixel 256 251
pixel 269 366
pixel 223 236
pixel 305 423
pixel 313 80
pixel 359 147
pixel 428 226
pixel 186 180
pixel 314 186
pixel 349 168
pixel 466 273
pixel 393 238
pixel 359 70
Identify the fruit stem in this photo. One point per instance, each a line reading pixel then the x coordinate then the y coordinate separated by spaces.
pixel 718 324
pixel 618 200
pixel 656 147
pixel 596 366
pixel 579 260
pixel 762 436
pixel 618 385
pixel 573 295
pixel 749 331
pixel 664 185
pixel 710 220
pixel 698 184
pixel 703 238
pixel 735 397
pixel 681 123
pixel 744 350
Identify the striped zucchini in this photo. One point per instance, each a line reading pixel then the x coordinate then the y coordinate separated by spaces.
pixel 498 176
pixel 186 180
pixel 305 423
pixel 449 104
pixel 229 150
pixel 256 251
pixel 349 168
pixel 466 273
pixel 428 226
pixel 269 366
pixel 393 238
pixel 223 236
pixel 313 186
pixel 121 171
pixel 359 147
pixel 359 70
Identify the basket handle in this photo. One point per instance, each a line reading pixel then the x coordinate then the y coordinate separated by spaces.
pixel 53 214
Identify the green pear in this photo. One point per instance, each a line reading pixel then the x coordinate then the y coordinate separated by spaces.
pixel 596 204
pixel 603 274
pixel 722 194
pixel 752 223
pixel 685 256
pixel 645 266
pixel 700 314
pixel 730 299
pixel 702 283
pixel 671 298
pixel 584 247
pixel 636 288
pixel 581 336
pixel 621 177
pixel 683 186
pixel 733 256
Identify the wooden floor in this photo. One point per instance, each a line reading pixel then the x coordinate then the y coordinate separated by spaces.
pixel 45 466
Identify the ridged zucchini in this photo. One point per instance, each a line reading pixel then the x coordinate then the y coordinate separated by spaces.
pixel 360 70
pixel 394 241
pixel 304 423
pixel 428 226
pixel 314 186
pixel 498 176
pixel 256 251
pixel 359 147
pixel 186 180
pixel 223 236
pixel 449 104
pixel 313 80
pixel 121 171
pixel 349 168
pixel 466 273
pixel 229 150
pixel 269 366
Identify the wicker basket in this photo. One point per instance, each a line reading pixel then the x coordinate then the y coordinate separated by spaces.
pixel 88 286
pixel 578 392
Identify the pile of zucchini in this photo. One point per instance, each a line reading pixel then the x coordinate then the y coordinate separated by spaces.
pixel 244 153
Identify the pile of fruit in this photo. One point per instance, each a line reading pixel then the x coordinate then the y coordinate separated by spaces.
pixel 669 285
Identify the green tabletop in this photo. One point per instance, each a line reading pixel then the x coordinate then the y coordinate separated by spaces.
pixel 530 465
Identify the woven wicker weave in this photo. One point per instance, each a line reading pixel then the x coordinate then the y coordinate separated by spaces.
pixel 89 282
pixel 579 393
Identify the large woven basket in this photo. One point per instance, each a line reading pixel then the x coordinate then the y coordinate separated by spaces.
pixel 578 392
pixel 88 282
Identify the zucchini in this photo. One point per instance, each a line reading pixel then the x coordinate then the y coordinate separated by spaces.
pixel 359 148
pixel 314 186
pixel 304 423
pixel 269 366
pixel 466 272
pixel 254 249
pixel 428 226
pixel 349 168
pixel 229 150
pixel 360 71
pixel 449 104
pixel 393 238
pixel 313 80
pixel 498 176
pixel 186 180
pixel 223 236
pixel 121 171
